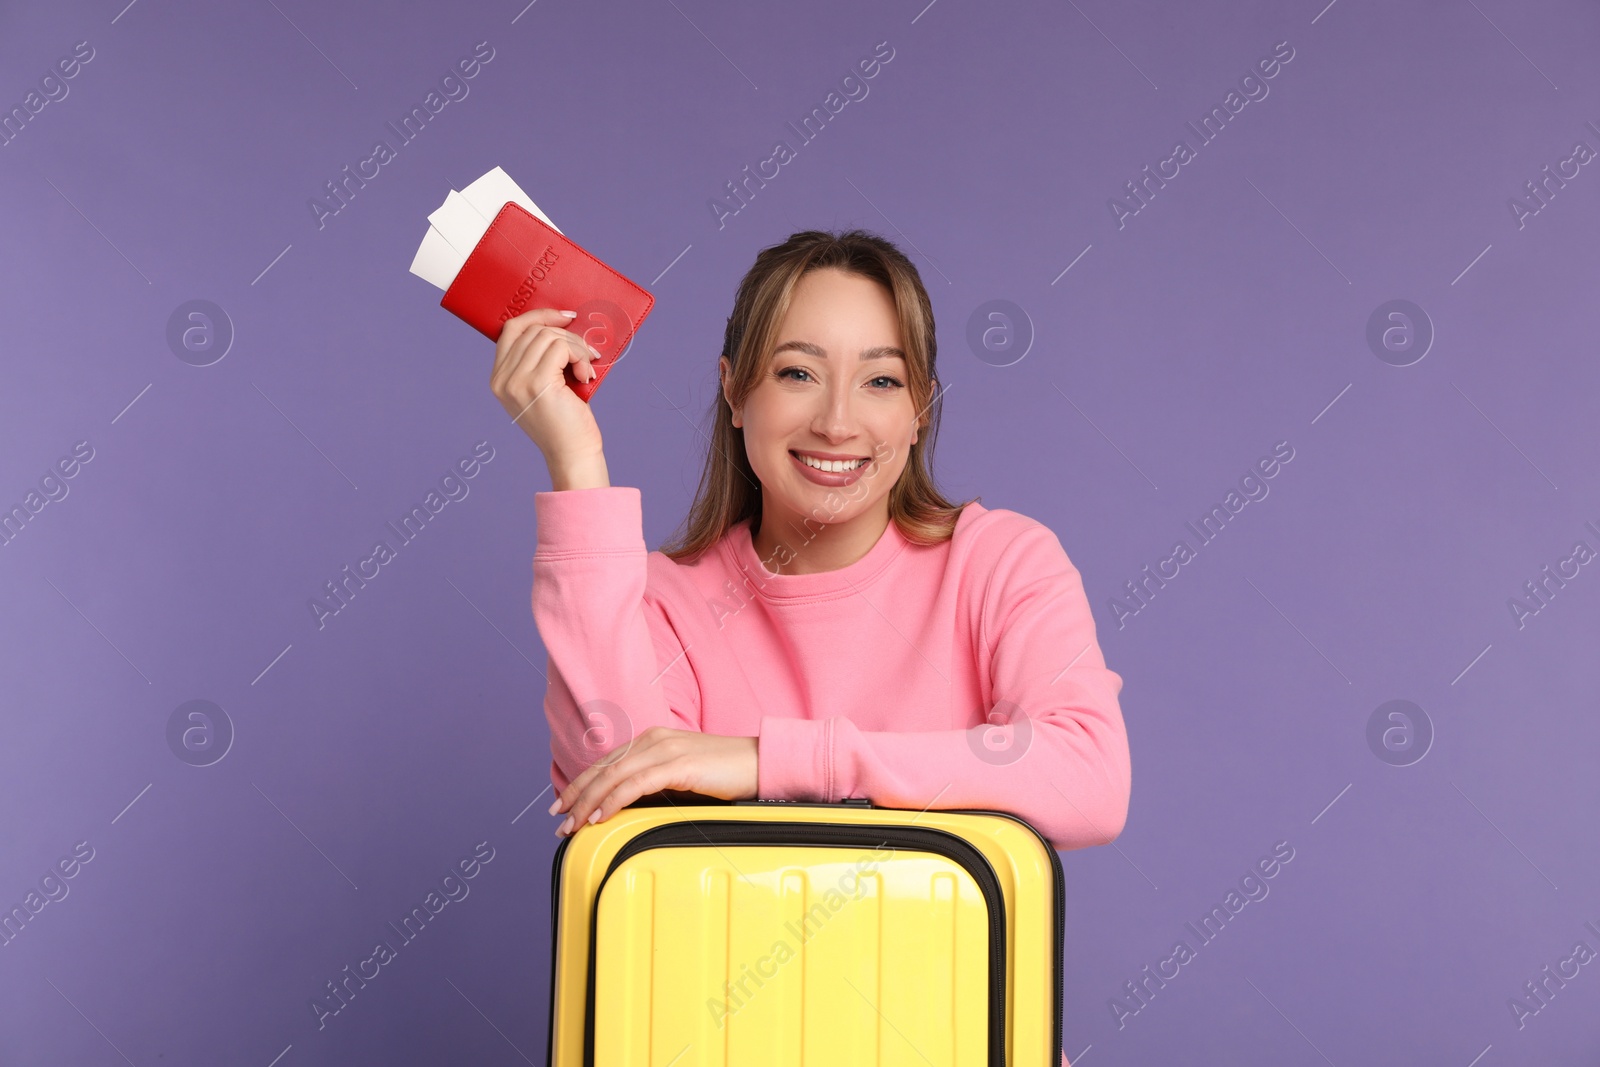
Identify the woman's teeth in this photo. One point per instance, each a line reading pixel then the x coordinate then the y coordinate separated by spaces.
pixel 834 465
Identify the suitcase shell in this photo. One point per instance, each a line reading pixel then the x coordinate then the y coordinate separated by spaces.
pixel 703 933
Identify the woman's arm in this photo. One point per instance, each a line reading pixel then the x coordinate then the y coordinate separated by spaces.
pixel 606 685
pixel 1062 762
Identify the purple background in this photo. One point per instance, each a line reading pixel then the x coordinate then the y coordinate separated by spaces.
pixel 1228 315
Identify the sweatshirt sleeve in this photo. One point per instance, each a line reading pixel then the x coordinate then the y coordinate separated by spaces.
pixel 1054 749
pixel 607 644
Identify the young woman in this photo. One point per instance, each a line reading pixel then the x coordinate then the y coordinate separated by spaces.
pixel 828 625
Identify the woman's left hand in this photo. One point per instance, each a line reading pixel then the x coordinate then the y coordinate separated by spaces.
pixel 660 758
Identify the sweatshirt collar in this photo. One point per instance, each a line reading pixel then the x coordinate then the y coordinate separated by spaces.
pixel 822 584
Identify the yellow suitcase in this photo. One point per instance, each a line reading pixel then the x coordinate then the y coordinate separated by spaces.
pixel 692 932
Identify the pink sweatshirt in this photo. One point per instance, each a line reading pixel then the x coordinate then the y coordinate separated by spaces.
pixel 875 680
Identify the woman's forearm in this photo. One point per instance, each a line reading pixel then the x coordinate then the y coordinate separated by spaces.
pixel 588 472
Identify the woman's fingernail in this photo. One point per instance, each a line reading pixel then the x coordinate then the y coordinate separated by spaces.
pixel 565 825
pixel 594 816
pixel 596 352
pixel 555 805
pixel 570 314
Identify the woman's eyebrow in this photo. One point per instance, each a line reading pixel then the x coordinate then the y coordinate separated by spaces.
pixel 810 349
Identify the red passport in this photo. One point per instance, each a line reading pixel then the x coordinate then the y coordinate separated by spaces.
pixel 521 263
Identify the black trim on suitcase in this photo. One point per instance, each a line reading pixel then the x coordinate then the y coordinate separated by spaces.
pixel 697 832
pixel 1059 891
pixel 555 898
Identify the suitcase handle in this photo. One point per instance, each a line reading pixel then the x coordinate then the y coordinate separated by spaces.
pixel 680 797
pixel 846 802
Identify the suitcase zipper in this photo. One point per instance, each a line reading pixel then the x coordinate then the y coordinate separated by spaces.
pixel 921 839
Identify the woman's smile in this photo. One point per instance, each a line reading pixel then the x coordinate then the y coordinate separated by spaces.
pixel 828 472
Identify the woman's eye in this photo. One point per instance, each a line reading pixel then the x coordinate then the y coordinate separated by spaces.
pixel 893 383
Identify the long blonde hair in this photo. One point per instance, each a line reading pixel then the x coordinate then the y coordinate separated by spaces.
pixel 729 491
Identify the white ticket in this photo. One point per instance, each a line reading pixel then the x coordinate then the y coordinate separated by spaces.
pixel 457 225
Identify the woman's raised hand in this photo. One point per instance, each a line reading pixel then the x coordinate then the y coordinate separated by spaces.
pixel 530 361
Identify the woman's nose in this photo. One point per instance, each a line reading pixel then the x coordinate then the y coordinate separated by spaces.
pixel 837 420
